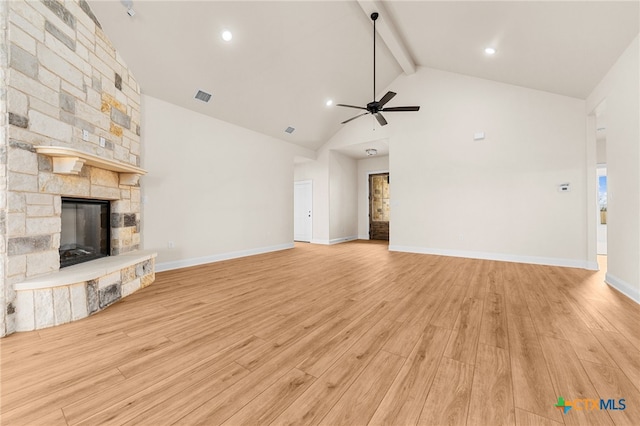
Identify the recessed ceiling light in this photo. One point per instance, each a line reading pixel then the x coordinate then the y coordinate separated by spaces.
pixel 371 151
pixel 226 35
pixel 329 102
pixel 490 51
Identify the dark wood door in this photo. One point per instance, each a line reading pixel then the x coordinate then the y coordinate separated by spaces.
pixel 379 206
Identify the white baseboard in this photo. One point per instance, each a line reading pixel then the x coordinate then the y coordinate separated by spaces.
pixel 318 241
pixel 363 237
pixel 185 263
pixel 623 287
pixel 334 240
pixel 550 261
pixel 343 239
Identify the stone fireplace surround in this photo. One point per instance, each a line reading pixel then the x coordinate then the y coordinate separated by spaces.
pixel 78 291
pixel 70 127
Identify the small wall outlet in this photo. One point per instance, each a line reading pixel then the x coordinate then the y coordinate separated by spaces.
pixel 85 135
pixel 103 142
pixel 171 244
pixel 478 136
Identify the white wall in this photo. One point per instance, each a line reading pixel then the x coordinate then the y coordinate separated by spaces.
pixel 496 198
pixel 343 198
pixel 365 167
pixel 621 90
pixel 214 189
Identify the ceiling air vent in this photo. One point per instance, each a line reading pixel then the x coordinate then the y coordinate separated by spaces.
pixel 203 96
pixel 289 130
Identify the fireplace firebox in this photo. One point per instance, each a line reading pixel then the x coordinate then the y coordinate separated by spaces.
pixel 86 230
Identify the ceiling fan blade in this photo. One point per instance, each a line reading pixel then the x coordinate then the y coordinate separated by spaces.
pixel 380 119
pixel 353 118
pixel 404 108
pixel 386 98
pixel 351 106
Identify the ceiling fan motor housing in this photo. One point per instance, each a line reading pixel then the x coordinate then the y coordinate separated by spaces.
pixel 373 107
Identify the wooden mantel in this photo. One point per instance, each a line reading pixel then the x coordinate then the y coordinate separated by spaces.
pixel 69 161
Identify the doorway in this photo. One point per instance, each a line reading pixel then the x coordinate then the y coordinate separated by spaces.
pixel 601 232
pixel 302 208
pixel 379 206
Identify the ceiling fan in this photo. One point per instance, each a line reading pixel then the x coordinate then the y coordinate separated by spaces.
pixel 376 107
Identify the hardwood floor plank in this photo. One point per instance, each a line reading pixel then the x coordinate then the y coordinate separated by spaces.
pixel 477 279
pixel 464 338
pixel 403 403
pixel 525 418
pixel 314 404
pixel 532 387
pixel 163 361
pixel 571 382
pixel 544 318
pixel 359 402
pixel 446 313
pixel 515 301
pixel 448 399
pixel 493 329
pixel 263 354
pixel 623 353
pixel 34 384
pixel 402 342
pixel 171 410
pixel 221 407
pixel 612 383
pixel 273 401
pixel 491 392
pixel 588 348
pixel 323 356
pixel 494 278
pixel 38 407
pixel 121 403
pixel 54 418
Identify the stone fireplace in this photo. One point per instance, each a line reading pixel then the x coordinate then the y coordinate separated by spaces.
pixel 85 230
pixel 50 295
pixel 73 132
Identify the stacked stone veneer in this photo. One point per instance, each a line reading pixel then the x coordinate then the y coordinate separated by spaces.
pixel 46 307
pixel 62 77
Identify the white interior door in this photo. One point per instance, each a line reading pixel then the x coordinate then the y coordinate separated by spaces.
pixel 302 208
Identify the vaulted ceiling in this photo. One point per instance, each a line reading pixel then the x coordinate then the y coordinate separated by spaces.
pixel 287 58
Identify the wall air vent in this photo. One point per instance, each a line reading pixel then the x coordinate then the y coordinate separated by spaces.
pixel 203 96
pixel 289 130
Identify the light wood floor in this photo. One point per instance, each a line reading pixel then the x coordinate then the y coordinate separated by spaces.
pixel 347 334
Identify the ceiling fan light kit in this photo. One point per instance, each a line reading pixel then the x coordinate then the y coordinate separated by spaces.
pixel 377 107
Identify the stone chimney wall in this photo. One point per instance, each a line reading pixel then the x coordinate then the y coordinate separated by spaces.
pixel 66 86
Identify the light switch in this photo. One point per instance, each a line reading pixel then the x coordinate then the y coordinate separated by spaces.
pixel 85 135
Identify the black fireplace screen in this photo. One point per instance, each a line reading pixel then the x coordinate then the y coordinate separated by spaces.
pixel 85 231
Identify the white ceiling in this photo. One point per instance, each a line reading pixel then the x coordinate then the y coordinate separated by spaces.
pixel 287 58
